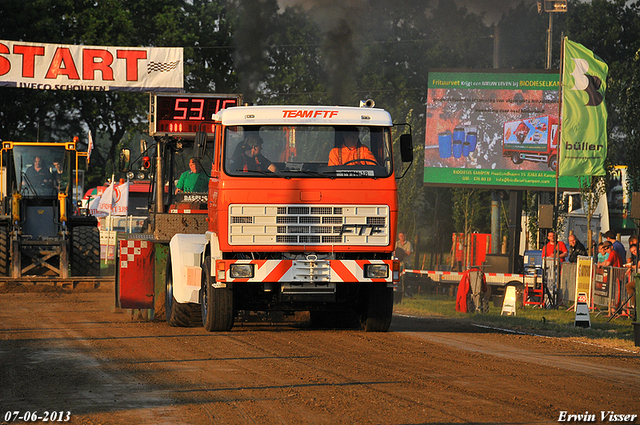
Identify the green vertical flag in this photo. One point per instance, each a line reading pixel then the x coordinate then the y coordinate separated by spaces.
pixel 583 141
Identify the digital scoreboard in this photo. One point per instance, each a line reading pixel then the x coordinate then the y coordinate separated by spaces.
pixel 183 114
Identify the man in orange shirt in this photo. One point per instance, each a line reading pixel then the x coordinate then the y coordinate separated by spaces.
pixel 351 151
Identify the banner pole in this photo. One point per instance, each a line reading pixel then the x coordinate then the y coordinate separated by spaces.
pixel 556 258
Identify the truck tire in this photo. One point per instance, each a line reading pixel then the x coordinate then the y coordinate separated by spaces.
pixel 216 303
pixel 515 158
pixel 553 162
pixel 85 251
pixel 179 314
pixel 5 251
pixel 378 309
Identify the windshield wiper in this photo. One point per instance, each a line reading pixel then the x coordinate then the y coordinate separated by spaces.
pixel 264 173
pixel 307 172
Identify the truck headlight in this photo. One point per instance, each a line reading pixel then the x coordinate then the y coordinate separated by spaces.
pixel 241 271
pixel 376 271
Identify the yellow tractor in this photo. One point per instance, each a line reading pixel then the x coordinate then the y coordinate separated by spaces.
pixel 41 233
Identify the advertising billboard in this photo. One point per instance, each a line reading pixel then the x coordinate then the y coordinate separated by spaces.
pixel 493 129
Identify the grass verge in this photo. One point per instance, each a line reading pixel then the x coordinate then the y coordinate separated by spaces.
pixel 532 320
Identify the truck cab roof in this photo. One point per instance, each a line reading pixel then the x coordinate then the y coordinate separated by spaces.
pixel 303 115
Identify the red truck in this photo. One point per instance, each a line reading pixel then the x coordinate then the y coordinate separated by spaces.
pixel 532 139
pixel 303 235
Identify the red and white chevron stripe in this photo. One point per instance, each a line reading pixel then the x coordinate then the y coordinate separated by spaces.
pixel 294 271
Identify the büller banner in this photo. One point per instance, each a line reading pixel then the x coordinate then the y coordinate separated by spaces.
pixel 43 66
pixel 583 141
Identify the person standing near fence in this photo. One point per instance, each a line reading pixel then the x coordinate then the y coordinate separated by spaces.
pixel 550 247
pixel 404 250
pixel 576 249
pixel 614 259
pixel 616 246
pixel 602 254
pixel 633 254
pixel 630 286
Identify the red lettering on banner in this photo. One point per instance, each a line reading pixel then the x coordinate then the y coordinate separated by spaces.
pixel 90 66
pixel 5 64
pixel 132 57
pixel 28 54
pixel 62 56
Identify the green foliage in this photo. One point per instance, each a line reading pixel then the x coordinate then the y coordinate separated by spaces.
pixel 592 188
pixel 471 213
pixel 333 52
pixel 630 98
pixel 523 37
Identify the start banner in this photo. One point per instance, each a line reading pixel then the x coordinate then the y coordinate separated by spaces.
pixel 43 66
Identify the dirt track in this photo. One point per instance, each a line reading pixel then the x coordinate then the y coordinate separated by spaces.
pixel 75 353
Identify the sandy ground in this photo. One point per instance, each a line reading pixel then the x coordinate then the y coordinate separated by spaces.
pixel 75 353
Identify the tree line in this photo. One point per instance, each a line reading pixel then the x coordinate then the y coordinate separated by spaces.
pixel 320 52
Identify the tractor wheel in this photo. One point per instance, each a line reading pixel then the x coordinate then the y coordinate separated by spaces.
pixel 378 309
pixel 5 251
pixel 179 314
pixel 216 303
pixel 85 251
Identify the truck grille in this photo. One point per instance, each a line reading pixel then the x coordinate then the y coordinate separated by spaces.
pixel 308 225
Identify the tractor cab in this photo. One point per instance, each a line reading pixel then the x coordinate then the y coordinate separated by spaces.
pixel 38 227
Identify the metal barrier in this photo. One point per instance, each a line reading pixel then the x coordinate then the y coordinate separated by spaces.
pixel 619 276
pixel 567 290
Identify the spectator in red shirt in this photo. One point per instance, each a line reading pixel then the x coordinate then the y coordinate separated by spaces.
pixel 549 248
pixel 614 259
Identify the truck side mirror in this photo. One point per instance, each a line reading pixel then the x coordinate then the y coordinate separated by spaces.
pixel 406 148
pixel 200 144
pixel 124 160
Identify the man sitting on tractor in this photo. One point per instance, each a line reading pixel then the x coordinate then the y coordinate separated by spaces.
pixel 37 175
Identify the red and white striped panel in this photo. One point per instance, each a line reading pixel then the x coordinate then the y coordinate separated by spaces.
pixel 284 271
pixel 187 211
pixel 129 249
pixel 518 276
pixel 433 272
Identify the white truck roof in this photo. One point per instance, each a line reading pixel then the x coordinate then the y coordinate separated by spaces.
pixel 301 114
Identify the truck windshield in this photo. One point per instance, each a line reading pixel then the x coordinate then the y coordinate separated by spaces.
pixel 41 170
pixel 308 151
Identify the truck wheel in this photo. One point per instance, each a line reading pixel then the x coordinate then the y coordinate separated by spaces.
pixel 5 251
pixel 379 308
pixel 515 158
pixel 178 314
pixel 553 162
pixel 85 251
pixel 216 303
